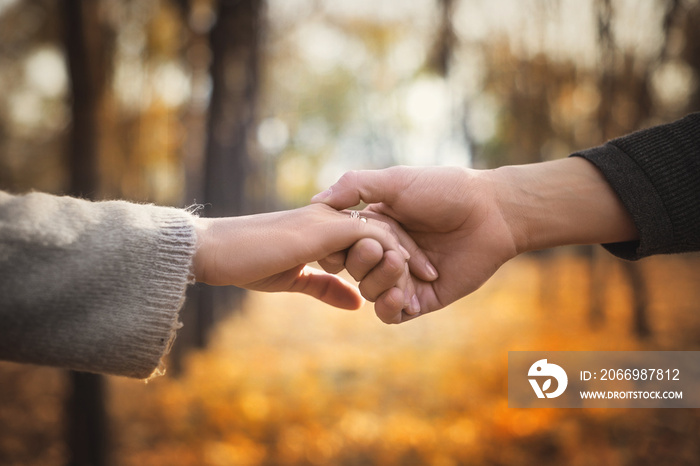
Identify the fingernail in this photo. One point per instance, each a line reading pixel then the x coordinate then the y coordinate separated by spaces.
pixel 405 252
pixel 414 307
pixel 322 195
pixel 431 270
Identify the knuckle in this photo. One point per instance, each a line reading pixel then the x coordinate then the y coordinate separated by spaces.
pixel 392 264
pixel 388 310
pixel 348 178
pixel 388 316
pixel 367 291
pixel 385 226
pixel 369 257
pixel 367 251
pixel 335 259
pixel 385 315
pixel 357 273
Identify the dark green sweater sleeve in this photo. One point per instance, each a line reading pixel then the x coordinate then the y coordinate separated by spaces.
pixel 656 174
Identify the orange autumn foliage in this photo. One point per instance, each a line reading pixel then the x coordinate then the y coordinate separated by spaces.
pixel 293 382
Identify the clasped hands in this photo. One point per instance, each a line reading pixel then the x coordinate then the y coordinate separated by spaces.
pixel 433 235
pixel 448 218
pixel 430 238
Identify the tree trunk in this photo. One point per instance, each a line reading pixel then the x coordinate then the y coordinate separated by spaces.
pixel 85 408
pixel 641 327
pixel 235 47
pixel 691 33
pixel 82 154
pixel 87 436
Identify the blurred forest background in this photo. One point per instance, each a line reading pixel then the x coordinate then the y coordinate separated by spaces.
pixel 256 105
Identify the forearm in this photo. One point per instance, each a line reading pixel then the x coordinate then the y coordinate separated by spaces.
pixel 560 203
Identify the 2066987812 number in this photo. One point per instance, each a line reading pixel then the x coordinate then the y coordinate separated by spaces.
pixel 640 374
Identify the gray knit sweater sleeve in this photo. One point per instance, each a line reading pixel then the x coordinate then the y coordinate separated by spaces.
pixel 656 174
pixel 91 286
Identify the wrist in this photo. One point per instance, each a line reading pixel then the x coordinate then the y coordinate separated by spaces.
pixel 202 228
pixel 562 202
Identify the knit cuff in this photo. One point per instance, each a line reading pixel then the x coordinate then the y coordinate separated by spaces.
pixel 169 277
pixel 635 191
pixel 656 174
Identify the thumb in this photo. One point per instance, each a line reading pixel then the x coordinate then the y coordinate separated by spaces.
pixel 328 288
pixel 369 186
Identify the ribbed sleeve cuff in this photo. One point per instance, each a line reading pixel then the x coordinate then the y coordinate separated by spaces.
pixel 168 277
pixel 656 174
pixel 132 302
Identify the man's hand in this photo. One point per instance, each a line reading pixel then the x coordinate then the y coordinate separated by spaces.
pixel 453 215
pixel 470 222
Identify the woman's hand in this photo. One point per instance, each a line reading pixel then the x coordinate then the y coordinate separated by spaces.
pixel 269 252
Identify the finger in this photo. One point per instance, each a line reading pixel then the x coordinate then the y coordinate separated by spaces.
pixel 362 257
pixel 342 233
pixel 389 239
pixel 389 306
pixel 334 263
pixel 377 230
pixel 384 276
pixel 419 263
pixel 411 305
pixel 370 186
pixel 405 317
pixel 328 288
